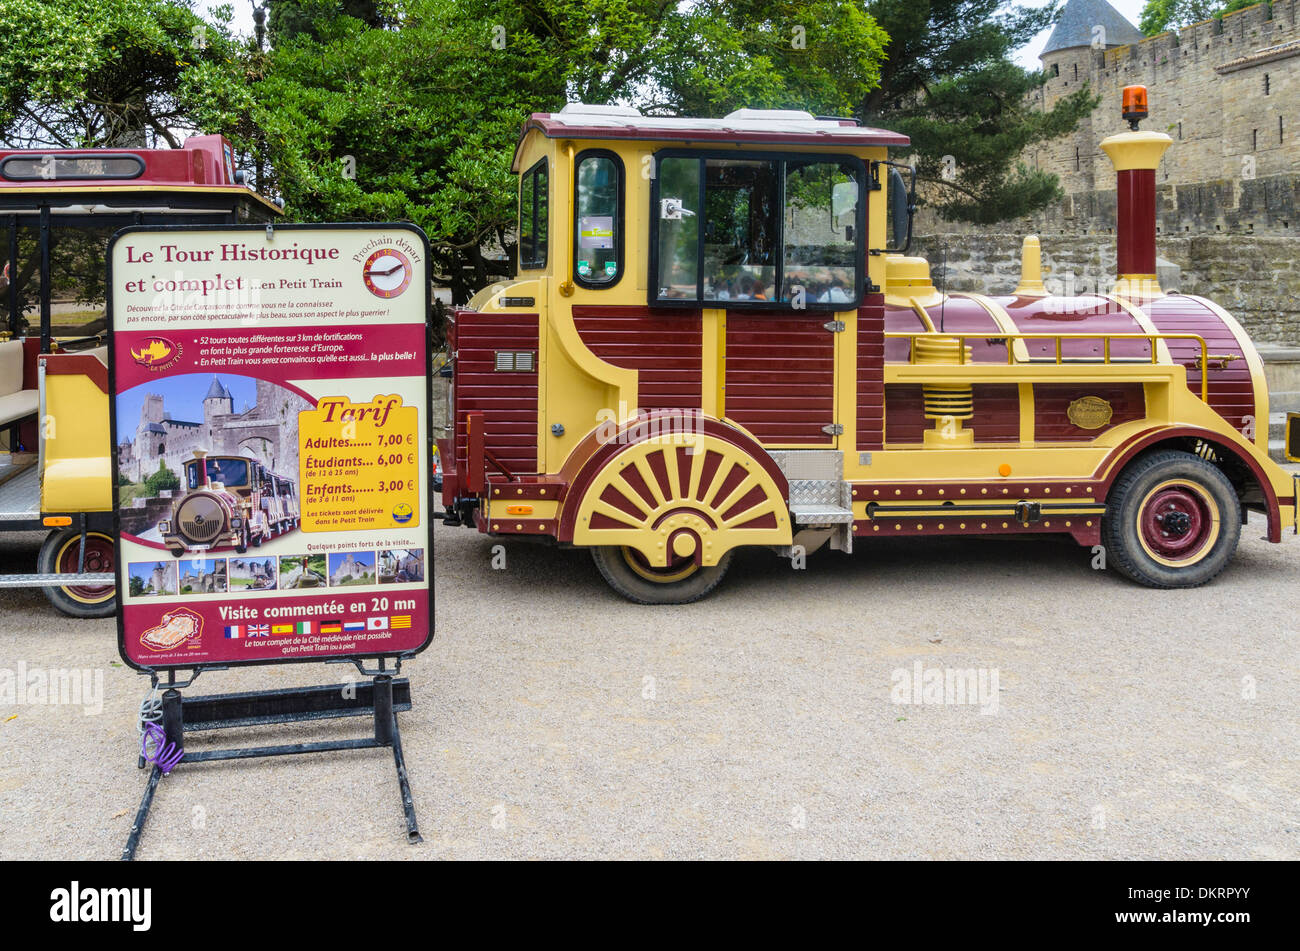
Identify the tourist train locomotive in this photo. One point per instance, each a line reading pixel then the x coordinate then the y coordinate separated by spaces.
pixel 716 339
pixel 229 501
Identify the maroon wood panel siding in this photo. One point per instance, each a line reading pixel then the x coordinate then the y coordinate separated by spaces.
pixel 663 346
pixel 1231 388
pixel 996 419
pixel 508 401
pixel 904 413
pixel 997 413
pixel 780 376
pixel 1052 402
pixel 871 373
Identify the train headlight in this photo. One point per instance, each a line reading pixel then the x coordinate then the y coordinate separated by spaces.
pixel 164 527
pixel 236 521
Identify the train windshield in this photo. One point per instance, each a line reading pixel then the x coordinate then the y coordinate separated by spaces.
pixel 225 471
pixel 761 232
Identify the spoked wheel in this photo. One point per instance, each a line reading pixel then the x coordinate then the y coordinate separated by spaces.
pixel 1172 521
pixel 681 582
pixel 60 555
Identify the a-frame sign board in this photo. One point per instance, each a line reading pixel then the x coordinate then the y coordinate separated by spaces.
pixel 272 456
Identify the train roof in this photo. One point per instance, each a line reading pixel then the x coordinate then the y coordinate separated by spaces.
pixel 774 127
pixel 200 173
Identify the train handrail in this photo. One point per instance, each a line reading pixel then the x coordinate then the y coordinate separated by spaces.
pixel 1105 338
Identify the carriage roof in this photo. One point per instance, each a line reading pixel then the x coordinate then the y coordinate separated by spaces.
pixel 104 180
pixel 771 127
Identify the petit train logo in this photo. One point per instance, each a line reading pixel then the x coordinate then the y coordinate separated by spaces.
pixel 402 513
pixel 157 354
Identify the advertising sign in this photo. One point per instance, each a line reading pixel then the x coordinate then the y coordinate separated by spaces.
pixel 270 395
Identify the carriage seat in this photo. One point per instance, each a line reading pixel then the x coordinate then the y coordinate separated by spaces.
pixel 16 403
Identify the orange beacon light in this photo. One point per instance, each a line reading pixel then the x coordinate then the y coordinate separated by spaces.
pixel 1135 105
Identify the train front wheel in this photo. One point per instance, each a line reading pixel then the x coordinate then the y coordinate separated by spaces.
pixel 629 573
pixel 1172 521
pixel 60 555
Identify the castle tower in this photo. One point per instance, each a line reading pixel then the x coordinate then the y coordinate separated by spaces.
pixel 1085 30
pixel 218 401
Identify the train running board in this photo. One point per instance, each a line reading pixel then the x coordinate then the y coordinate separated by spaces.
pixel 56 580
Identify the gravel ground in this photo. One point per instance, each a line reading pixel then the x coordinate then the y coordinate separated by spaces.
pixel 552 719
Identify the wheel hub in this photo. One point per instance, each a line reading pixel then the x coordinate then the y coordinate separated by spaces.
pixel 1177 522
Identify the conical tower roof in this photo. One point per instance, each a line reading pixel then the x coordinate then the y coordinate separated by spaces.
pixel 217 391
pixel 1081 17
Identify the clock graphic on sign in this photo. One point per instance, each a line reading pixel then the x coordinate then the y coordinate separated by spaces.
pixel 387 272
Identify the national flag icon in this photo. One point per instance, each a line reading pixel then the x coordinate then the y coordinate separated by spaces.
pixel 235 630
pixel 376 624
pixel 331 627
pixel 259 630
pixel 282 628
pixel 354 626
pixel 400 620
pixel 303 627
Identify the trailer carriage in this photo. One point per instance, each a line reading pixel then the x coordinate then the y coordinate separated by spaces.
pixel 716 339
pixel 58 209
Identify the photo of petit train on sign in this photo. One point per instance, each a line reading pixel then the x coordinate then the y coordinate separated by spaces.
pixel 270 443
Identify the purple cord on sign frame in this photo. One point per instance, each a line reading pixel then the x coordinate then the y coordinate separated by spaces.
pixel 156 750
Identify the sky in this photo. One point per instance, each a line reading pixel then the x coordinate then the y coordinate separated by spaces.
pixel 1027 56
pixel 182 397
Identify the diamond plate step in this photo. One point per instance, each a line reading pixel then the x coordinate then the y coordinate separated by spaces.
pixel 816 514
pixel 809 464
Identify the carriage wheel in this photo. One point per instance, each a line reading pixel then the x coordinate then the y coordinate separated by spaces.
pixel 1172 521
pixel 629 573
pixel 60 554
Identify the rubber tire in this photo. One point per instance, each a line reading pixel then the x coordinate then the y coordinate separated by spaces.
pixel 620 576
pixel 1119 526
pixel 64 602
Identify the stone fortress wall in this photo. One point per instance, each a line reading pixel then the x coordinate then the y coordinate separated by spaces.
pixel 1228 190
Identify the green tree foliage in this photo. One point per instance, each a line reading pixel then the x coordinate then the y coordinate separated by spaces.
pixel 1161 15
pixel 136 586
pixel 82 73
pixel 161 480
pixel 419 120
pixel 949 83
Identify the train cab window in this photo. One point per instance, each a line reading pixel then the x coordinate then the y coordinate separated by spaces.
pixel 740 230
pixel 679 228
pixel 533 208
pixel 229 472
pixel 820 248
pixel 598 230
pixel 758 232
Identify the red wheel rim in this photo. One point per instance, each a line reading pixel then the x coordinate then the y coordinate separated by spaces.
pixel 1177 521
pixel 99 560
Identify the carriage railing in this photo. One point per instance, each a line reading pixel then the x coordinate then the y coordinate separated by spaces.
pixel 1106 357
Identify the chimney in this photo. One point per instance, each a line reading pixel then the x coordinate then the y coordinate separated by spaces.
pixel 1136 155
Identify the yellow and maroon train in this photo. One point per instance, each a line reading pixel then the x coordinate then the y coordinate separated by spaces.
pixel 716 339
